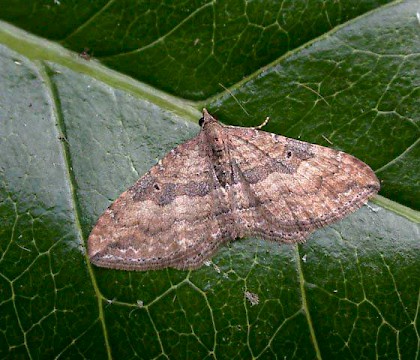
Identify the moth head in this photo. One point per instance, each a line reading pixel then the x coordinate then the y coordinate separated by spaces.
pixel 206 119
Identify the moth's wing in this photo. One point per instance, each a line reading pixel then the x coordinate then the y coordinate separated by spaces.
pixel 166 219
pixel 295 187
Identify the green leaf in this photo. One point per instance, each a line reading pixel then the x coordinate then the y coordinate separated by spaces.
pixel 75 134
pixel 186 48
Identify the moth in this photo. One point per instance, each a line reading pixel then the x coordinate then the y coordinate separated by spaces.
pixel 224 184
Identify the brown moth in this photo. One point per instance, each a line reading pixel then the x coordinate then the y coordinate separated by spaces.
pixel 226 183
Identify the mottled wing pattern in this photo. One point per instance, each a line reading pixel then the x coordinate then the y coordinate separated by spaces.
pixel 295 187
pixel 166 219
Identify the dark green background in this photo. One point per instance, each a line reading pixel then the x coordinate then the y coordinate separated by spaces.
pixel 74 134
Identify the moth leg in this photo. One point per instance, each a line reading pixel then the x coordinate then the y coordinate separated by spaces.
pixel 267 119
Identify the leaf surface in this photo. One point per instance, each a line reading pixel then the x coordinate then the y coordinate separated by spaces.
pixel 75 134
